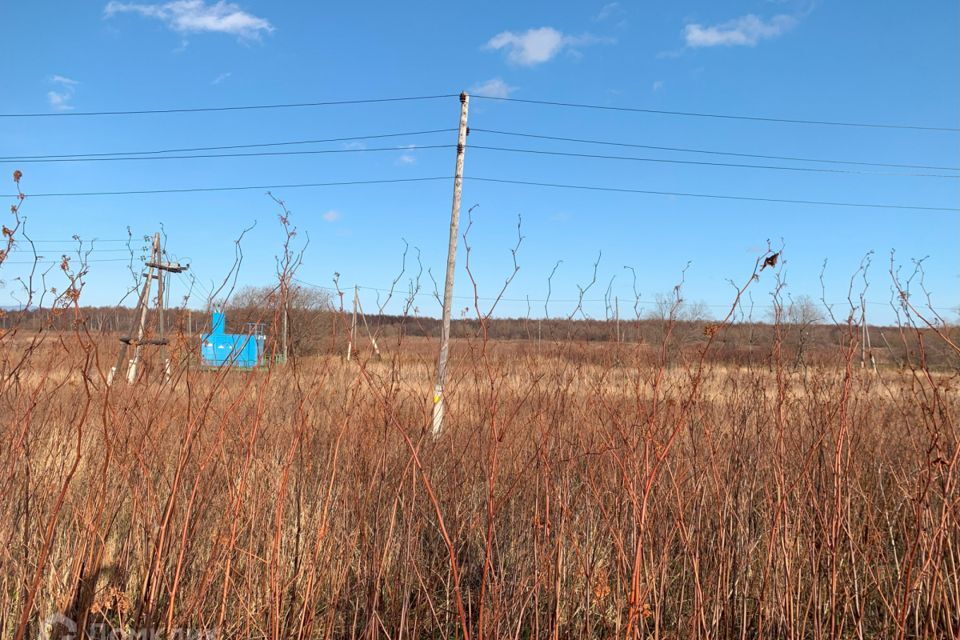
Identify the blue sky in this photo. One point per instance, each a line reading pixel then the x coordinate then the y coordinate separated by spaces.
pixel 885 62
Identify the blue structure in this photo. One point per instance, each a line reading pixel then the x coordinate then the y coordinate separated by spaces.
pixel 218 348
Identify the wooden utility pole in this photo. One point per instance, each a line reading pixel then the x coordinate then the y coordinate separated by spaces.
pixel 438 390
pixel 539 333
pixel 866 348
pixel 353 324
pixel 140 318
pixel 373 338
pixel 156 270
pixel 616 313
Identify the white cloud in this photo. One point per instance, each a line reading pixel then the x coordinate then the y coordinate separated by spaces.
pixel 670 55
pixel 59 101
pixel 657 85
pixel 220 78
pixel 536 46
pixel 196 16
pixel 332 215
pixel 607 11
pixel 493 88
pixel 354 146
pixel 407 158
pixel 62 80
pixel 61 97
pixel 746 30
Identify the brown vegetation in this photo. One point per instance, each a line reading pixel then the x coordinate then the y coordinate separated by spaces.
pixel 645 489
pixel 584 490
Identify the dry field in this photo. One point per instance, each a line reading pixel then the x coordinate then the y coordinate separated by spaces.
pixel 577 491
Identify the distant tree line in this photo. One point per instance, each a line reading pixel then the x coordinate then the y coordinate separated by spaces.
pixel 315 326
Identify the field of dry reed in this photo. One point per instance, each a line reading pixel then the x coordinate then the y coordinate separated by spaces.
pixel 577 490
pixel 646 489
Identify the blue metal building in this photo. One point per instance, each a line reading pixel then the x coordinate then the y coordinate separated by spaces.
pixel 219 348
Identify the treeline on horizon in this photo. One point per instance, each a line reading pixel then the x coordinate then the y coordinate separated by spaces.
pixel 321 330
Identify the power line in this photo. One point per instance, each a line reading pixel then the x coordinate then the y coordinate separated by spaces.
pixel 639 301
pixel 69 240
pixel 72 250
pixel 234 188
pixel 724 116
pixel 252 107
pixel 51 261
pixel 225 147
pixel 713 152
pixel 427 294
pixel 555 103
pixel 256 154
pixel 711 164
pixel 555 185
pixel 709 195
pixel 189 283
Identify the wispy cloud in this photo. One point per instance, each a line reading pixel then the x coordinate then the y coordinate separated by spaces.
pixel 354 146
pixel 196 16
pixel 64 81
pixel 493 88
pixel 332 215
pixel 746 31
pixel 220 78
pixel 61 97
pixel 607 11
pixel 536 46
pixel 657 85
pixel 408 158
pixel 59 101
pixel 670 54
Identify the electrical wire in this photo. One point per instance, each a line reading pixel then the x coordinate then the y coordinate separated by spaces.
pixel 69 240
pixel 191 283
pixel 253 107
pixel 233 188
pixel 554 185
pixel 256 154
pixel 712 152
pixel 473 130
pixel 224 147
pixel 683 194
pixel 723 116
pixel 639 301
pixel 72 250
pixel 51 261
pixel 597 156
pixel 554 103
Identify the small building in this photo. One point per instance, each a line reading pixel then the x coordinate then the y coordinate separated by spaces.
pixel 219 348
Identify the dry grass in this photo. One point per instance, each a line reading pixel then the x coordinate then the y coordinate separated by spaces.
pixel 579 492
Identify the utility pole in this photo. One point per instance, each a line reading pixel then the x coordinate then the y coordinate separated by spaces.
pixel 438 390
pixel 866 349
pixel 353 324
pixel 373 338
pixel 156 270
pixel 140 318
pixel 616 313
